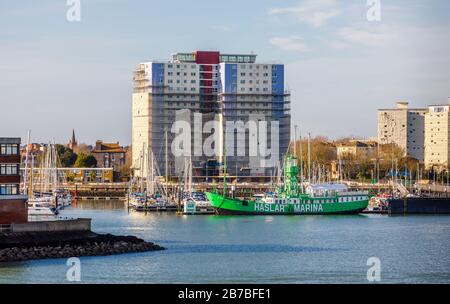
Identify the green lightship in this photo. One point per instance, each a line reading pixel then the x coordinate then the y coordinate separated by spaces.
pixel 288 199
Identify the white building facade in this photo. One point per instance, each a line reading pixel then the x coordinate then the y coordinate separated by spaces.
pixel 404 127
pixel 437 137
pixel 220 87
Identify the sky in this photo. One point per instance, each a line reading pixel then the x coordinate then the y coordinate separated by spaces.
pixel 57 75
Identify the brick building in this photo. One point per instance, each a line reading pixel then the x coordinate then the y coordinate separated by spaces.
pixel 13 206
pixel 109 155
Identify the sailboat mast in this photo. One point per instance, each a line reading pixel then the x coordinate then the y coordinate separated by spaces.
pixel 152 174
pixel 30 193
pixel 224 163
pixel 167 165
pixel 147 180
pixel 25 177
pixel 309 158
pixel 190 174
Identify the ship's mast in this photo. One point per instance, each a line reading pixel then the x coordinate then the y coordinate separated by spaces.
pixel 301 163
pixel 290 177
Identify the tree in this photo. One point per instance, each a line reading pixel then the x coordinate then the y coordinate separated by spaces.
pixel 322 152
pixel 66 156
pixel 85 161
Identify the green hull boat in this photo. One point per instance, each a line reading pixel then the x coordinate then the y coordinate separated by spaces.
pixel 300 206
pixel 288 199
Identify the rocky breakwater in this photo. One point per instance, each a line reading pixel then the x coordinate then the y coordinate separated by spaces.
pixel 46 245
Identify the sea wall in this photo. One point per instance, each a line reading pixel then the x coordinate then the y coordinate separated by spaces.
pixel 81 224
pixel 64 244
pixel 419 205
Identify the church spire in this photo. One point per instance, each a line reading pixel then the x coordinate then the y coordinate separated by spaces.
pixel 73 141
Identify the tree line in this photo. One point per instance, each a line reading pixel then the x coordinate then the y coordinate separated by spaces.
pixel 69 159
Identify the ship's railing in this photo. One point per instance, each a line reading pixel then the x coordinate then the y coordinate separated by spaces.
pixel 328 194
pixel 354 193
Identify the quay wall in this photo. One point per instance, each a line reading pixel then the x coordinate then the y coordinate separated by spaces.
pixel 419 206
pixel 53 226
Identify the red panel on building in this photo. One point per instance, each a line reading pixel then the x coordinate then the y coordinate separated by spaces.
pixel 9 159
pixel 202 57
pixel 207 68
pixel 207 83
pixel 9 179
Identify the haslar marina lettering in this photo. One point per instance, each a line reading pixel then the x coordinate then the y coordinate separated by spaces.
pixel 261 207
pixel 307 208
pixel 298 208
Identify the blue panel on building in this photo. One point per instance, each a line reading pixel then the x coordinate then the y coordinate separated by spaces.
pixel 230 85
pixel 277 90
pixel 157 76
pixel 277 79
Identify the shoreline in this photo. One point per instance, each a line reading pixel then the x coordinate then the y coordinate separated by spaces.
pixel 25 246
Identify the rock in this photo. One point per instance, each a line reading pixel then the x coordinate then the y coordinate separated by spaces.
pixel 60 245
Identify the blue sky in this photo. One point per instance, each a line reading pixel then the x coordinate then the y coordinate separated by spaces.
pixel 57 75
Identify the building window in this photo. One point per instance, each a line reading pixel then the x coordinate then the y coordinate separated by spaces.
pixel 9 149
pixel 9 169
pixel 9 189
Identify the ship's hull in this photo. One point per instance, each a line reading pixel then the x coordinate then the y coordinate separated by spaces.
pixel 230 206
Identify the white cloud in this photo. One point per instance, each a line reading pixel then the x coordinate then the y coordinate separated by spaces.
pixel 290 43
pixel 361 36
pixel 312 12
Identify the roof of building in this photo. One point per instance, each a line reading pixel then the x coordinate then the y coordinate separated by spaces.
pixel 201 56
pixel 357 143
pixel 408 109
pixel 102 147
pixel 10 140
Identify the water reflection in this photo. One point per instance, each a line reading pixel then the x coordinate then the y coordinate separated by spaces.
pixel 100 204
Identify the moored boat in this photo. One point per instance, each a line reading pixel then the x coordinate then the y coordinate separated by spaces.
pixel 288 199
pixel 41 206
pixel 197 203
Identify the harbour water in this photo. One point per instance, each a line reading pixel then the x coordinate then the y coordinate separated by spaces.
pixel 254 249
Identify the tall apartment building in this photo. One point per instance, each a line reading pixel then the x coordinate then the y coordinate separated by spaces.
pixel 405 127
pixel 220 87
pixel 437 137
pixel 13 206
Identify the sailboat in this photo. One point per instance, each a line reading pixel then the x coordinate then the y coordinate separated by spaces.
pixel 139 198
pixel 40 203
pixel 194 202
pixel 151 195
